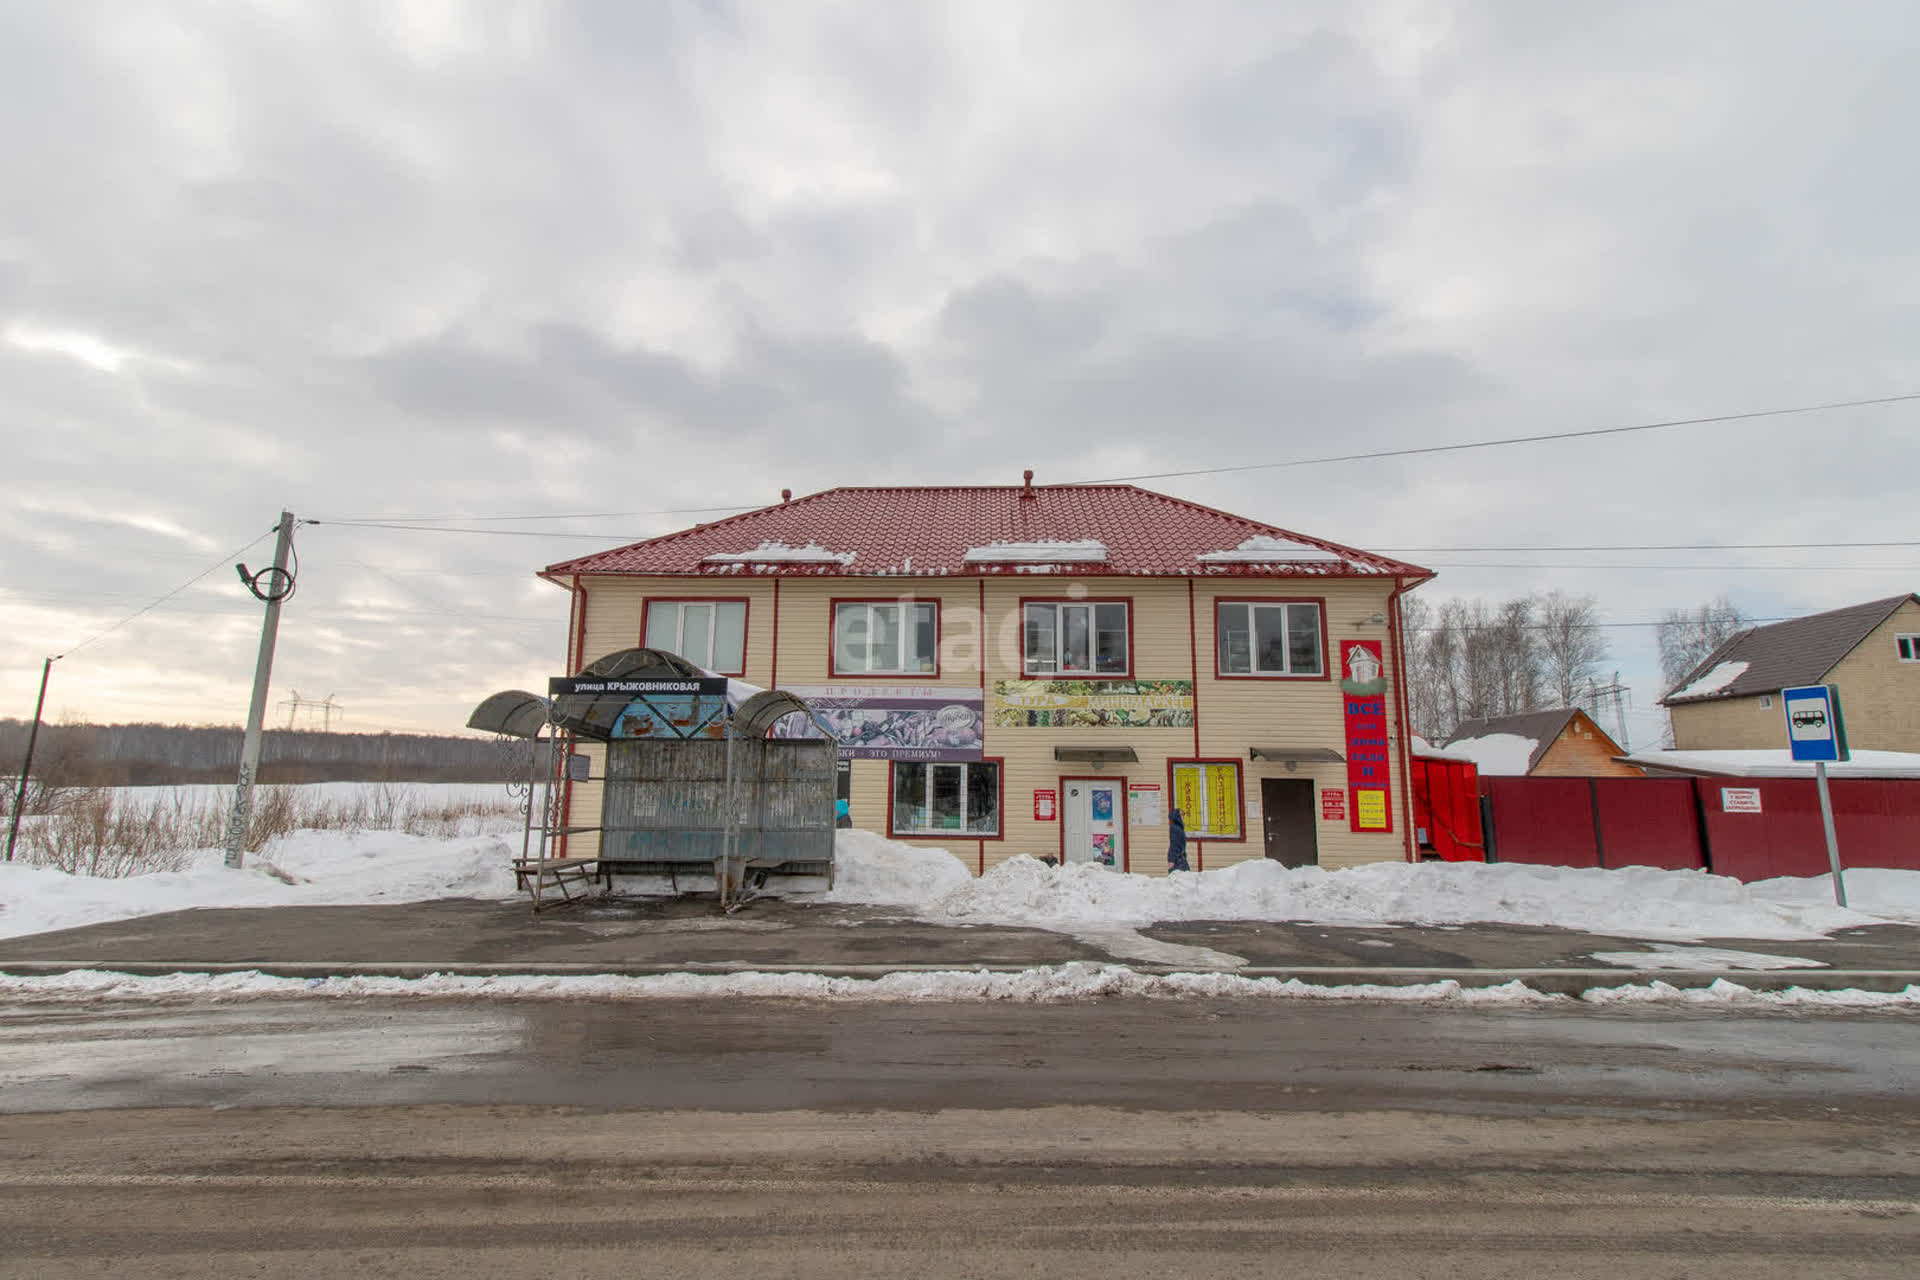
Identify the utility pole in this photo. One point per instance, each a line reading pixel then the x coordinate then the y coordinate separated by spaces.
pixel 279 587
pixel 20 793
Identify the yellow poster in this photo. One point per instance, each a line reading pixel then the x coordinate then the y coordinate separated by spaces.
pixel 1370 810
pixel 1208 797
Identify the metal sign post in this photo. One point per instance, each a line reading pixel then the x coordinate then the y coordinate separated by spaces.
pixel 1816 732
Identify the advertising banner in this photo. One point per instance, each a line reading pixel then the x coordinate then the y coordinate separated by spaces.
pixel 1132 704
pixel 1208 798
pixel 1363 691
pixel 897 722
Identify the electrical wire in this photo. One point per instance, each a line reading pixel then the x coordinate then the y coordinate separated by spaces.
pixel 221 563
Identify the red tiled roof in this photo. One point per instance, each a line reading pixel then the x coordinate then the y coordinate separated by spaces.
pixel 921 532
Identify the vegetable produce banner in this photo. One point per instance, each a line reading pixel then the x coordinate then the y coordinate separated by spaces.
pixel 901 722
pixel 1133 704
pixel 1363 692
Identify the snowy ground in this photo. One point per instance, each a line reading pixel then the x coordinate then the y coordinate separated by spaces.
pixel 346 867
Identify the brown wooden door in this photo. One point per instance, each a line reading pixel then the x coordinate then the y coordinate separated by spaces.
pixel 1287 806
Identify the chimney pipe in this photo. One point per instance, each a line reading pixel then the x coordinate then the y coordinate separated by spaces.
pixel 786 495
pixel 1027 476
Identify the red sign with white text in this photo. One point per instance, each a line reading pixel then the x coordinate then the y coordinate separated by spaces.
pixel 1333 805
pixel 1045 803
pixel 1363 693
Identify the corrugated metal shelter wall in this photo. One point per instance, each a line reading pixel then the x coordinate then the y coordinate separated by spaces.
pixel 1876 822
pixel 665 801
pixel 1446 807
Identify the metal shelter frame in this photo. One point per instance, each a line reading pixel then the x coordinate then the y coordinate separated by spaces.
pixel 650 707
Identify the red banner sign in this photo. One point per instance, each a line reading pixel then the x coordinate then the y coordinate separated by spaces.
pixel 1363 690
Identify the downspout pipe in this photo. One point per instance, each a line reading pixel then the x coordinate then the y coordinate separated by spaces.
pixel 1402 738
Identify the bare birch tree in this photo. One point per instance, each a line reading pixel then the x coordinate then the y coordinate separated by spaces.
pixel 1572 646
pixel 1687 636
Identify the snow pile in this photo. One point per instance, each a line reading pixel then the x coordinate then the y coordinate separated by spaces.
pixel 1421 747
pixel 1076 981
pixel 304 869
pixel 872 869
pixel 1040 551
pixel 1499 755
pixel 1263 549
pixel 1637 902
pixel 781 553
pixel 1714 681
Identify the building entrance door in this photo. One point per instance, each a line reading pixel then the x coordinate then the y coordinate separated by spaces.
pixel 1289 818
pixel 1093 822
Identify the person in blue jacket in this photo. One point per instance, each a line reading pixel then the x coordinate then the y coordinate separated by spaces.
pixel 1177 842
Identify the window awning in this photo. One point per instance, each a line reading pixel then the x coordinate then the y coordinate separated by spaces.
pixel 1096 755
pixel 1297 755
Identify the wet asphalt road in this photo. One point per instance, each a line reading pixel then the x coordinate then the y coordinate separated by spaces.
pixel 745 1055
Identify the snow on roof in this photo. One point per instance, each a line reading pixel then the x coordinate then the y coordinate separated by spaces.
pixel 1041 551
pixel 1776 763
pixel 1262 549
pixel 927 531
pixel 1426 750
pixel 781 553
pixel 1499 755
pixel 1713 682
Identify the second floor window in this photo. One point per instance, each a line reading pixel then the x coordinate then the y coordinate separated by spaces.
pixel 885 638
pixel 1070 639
pixel 707 633
pixel 1259 639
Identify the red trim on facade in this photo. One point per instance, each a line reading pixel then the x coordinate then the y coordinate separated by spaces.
pixel 980 660
pixel 947 836
pixel 577 644
pixel 1239 782
pixel 1060 814
pixel 746 621
pixel 1402 744
pixel 1193 666
pixel 1021 615
pixel 1326 670
pixel 894 677
pixel 773 680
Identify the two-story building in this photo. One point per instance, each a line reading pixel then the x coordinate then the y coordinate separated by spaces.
pixel 1047 670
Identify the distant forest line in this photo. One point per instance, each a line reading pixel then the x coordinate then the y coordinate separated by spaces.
pixel 132 755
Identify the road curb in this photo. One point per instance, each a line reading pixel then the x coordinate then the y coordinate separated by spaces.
pixel 1562 981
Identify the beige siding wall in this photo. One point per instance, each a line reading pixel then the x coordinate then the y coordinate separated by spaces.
pixel 1879 694
pixel 1581 752
pixel 1728 724
pixel 1233 714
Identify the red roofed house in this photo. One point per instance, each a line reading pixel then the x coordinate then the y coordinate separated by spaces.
pixel 1048 669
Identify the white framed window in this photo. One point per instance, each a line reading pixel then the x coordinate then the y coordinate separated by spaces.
pixel 1062 638
pixel 707 633
pixel 891 637
pixel 934 799
pixel 1766 701
pixel 1278 638
pixel 1907 647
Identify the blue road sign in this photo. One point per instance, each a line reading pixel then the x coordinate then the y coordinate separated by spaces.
pixel 1815 731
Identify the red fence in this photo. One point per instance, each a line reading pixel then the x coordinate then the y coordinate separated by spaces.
pixel 1748 828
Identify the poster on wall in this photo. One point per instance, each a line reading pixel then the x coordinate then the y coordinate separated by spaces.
pixel 1143 804
pixel 1128 704
pixel 1363 694
pixel 1208 798
pixel 1333 805
pixel 1046 805
pixel 904 722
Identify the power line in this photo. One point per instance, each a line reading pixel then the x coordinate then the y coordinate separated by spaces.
pixel 1507 440
pixel 221 563
pixel 407 522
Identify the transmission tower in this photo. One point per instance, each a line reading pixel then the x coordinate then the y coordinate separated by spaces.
pixel 1608 704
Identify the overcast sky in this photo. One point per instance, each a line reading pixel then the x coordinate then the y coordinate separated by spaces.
pixel 403 260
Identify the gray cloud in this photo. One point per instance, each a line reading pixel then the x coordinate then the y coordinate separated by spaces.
pixel 361 260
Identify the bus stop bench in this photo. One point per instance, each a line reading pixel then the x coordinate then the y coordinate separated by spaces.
pixel 564 874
